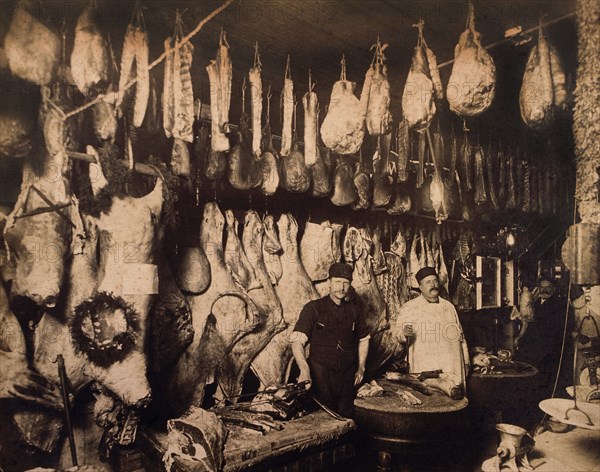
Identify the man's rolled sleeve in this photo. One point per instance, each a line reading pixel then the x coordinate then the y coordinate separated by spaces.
pixel 363 329
pixel 304 325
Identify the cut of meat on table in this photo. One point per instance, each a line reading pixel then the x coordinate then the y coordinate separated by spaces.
pixel 218 321
pixel 272 250
pixel 271 366
pixel 343 128
pixel 236 260
pixel 319 248
pixel 220 72
pixel 90 61
pixel 270 310
pixel 472 85
pixel 33 51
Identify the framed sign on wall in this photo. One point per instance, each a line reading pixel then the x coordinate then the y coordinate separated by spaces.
pixel 488 288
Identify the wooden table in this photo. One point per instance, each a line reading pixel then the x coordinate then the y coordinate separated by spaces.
pixel 322 440
pixel 390 426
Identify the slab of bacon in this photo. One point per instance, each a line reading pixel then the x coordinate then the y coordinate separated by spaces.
pixel 287 105
pixel 220 73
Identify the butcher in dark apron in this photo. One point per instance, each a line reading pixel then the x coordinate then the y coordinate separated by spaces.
pixel 339 343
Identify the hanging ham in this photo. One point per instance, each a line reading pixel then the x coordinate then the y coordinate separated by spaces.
pixel 295 176
pixel 236 260
pixel 472 84
pixel 403 149
pixel 543 89
pixel 362 184
pixel 271 250
pixel 320 177
pixel 90 61
pixel 33 51
pixel 343 128
pixel 244 170
pixel 418 105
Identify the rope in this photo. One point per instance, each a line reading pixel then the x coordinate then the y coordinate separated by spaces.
pixel 158 60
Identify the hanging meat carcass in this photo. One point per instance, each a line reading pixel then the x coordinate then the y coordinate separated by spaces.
pixel 319 248
pixel 135 49
pixel 378 116
pixel 320 177
pixel 33 51
pixel 344 190
pixel 472 84
pixel 287 105
pixel 90 61
pixel 353 245
pixel 362 184
pixel 271 366
pixel 219 319
pixel 343 128
pixel 240 268
pixel 311 124
pixel 220 73
pixel 466 164
pixel 418 104
pixel 543 89
pixel 383 180
pixel 378 256
pixel 480 191
pixel 269 161
pixel 271 250
pixel 254 76
pixel 295 176
pixel 244 169
pixel 270 310
pixel 490 166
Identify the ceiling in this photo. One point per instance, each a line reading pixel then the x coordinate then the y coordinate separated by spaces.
pixel 316 33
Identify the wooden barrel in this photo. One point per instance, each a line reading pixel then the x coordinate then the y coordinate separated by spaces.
pixel 391 425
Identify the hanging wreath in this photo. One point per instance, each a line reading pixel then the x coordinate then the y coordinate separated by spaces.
pixel 105 329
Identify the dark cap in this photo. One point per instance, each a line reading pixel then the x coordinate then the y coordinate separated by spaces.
pixel 340 269
pixel 424 272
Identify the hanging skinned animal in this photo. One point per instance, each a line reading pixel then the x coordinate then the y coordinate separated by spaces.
pixel 220 71
pixel 511 199
pixel 255 79
pixel 450 184
pixel 344 190
pixel 382 180
pixel 533 183
pixel 491 177
pixel 135 50
pixel 466 164
pixel 421 166
pixel 436 187
pixel 502 167
pixel 403 149
pixel 311 124
pixel 287 107
pixel 480 191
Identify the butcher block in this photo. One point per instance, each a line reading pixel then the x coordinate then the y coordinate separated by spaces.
pixel 321 439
